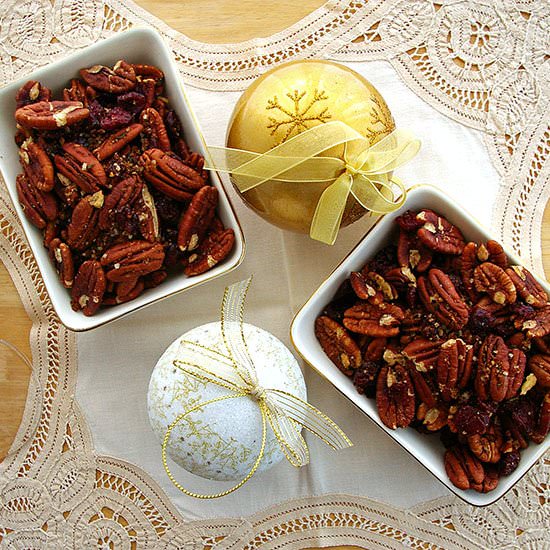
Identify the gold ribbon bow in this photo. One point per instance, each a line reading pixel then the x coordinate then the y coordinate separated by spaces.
pixel 364 171
pixel 235 371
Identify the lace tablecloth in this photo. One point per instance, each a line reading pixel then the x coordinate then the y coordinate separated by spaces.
pixel 474 72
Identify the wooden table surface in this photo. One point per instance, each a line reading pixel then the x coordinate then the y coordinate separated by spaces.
pixel 204 20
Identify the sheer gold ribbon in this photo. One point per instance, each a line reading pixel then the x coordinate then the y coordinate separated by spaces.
pixel 235 371
pixel 364 171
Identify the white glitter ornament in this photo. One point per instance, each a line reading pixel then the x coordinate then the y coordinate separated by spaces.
pixel 220 441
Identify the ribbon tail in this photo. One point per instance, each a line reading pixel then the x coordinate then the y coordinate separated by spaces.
pixel 330 210
pixel 378 196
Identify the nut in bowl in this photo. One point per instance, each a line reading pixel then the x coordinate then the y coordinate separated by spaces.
pixel 429 324
pixel 103 160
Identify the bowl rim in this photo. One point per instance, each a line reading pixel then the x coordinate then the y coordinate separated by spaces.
pixel 90 323
pixel 295 322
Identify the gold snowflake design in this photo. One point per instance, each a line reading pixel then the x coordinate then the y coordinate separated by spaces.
pixel 295 118
pixel 380 115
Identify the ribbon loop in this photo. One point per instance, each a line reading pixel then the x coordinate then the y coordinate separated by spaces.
pixel 296 161
pixel 285 413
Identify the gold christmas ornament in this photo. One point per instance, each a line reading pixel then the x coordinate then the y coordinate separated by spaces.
pixel 289 100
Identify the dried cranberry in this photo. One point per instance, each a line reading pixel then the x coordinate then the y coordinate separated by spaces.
pixel 364 377
pixel 115 118
pixel 408 221
pixel 173 125
pixel 470 420
pixel 482 321
pixel 383 261
pixel 519 413
pixel 168 210
pixel 97 111
pixel 132 102
pixel 508 463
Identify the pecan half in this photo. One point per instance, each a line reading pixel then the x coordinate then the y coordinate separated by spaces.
pixel 439 234
pixel 154 133
pixel 433 418
pixel 117 141
pixel 80 167
pixel 539 325
pixel 377 320
pixel 170 175
pixel 411 252
pixel 32 92
pixel 542 427
pixel 84 227
pixel 463 468
pixel 375 349
pixel 126 291
pixel 146 212
pixel 195 221
pixel 362 288
pixel 66 190
pixel 215 248
pixel 37 165
pixel 539 365
pixel 487 446
pixel 62 258
pixel 131 260
pixel 492 377
pixel 493 280
pixel 517 360
pixel 88 288
pixel 528 288
pixel 154 279
pixel 423 386
pixel 51 115
pixel 76 92
pixel 423 353
pixel 148 71
pixel 395 399
pixel 338 344
pixel 39 206
pixel 122 195
pixel 439 296
pixel 490 481
pixel 118 80
pixel 454 367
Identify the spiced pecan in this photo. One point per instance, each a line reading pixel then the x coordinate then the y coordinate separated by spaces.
pixel 433 418
pixel 528 288
pixel 81 167
pixel 117 141
pixel 39 206
pixel 146 212
pixel 154 133
pixel 454 367
pixel 423 386
pixel 148 71
pixel 463 469
pixel 362 288
pixel 539 325
pixel 76 92
pixel 66 190
pixel 487 446
pixel 131 260
pixel 118 80
pixel 412 253
pixel 490 481
pixel 539 365
pixel 215 248
pixel 374 350
pixel 438 234
pixel 439 296
pixel 338 344
pixel 170 175
pixel 154 279
pixel 395 399
pixel 423 353
pixel 37 165
pixel 195 221
pixel 62 258
pixel 84 227
pixel 517 360
pixel 51 231
pixel 32 92
pixel 88 288
pixel 129 289
pixel 377 320
pixel 492 377
pixel 51 115
pixel 542 427
pixel 493 280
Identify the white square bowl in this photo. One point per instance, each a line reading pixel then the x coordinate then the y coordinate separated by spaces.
pixel 427 449
pixel 136 46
